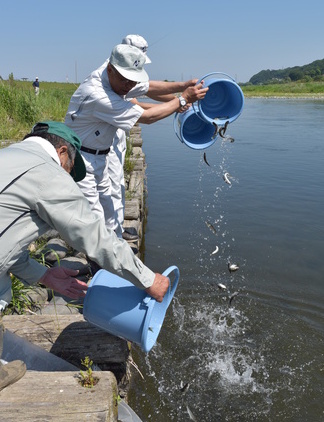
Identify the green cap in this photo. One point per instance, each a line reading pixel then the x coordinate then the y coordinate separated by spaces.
pixel 60 129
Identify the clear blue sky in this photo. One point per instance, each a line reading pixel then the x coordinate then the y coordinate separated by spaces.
pixel 59 40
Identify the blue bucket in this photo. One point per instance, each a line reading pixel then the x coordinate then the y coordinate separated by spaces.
pixel 122 309
pixel 223 102
pixel 192 130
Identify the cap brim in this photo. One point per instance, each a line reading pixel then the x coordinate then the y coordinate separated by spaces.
pixel 78 171
pixel 148 60
pixel 133 75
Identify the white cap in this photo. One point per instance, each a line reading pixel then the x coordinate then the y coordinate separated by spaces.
pixel 139 42
pixel 129 62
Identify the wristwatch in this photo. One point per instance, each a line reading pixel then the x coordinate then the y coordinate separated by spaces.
pixel 183 102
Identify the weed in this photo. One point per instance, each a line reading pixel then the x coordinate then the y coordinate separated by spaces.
pixel 86 377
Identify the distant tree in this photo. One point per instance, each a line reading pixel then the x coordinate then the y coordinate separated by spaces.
pixel 296 75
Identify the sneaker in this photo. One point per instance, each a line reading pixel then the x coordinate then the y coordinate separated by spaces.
pixel 129 237
pixel 11 372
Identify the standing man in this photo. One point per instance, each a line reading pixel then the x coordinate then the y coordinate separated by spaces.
pixel 36 85
pixel 37 193
pixel 116 160
pixel 99 107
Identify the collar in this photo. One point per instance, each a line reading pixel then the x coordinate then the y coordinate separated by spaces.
pixel 47 147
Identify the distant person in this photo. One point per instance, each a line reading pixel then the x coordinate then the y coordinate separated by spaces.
pixel 99 107
pixel 36 86
pixel 38 193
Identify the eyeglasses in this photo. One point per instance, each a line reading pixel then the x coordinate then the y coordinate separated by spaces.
pixel 121 78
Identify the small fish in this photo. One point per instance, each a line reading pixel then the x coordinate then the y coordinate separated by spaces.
pixel 222 130
pixel 191 415
pixel 226 178
pixel 221 286
pixel 215 251
pixel 184 387
pixel 205 159
pixel 232 297
pixel 150 329
pixel 228 138
pixel 232 267
pixel 211 227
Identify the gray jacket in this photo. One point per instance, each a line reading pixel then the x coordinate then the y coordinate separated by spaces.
pixel 36 194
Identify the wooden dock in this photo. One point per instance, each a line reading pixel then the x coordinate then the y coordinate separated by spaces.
pixel 45 395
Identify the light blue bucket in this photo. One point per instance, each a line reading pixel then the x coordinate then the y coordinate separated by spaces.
pixel 121 309
pixel 193 131
pixel 223 102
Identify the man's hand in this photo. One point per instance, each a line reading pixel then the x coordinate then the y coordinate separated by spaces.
pixel 195 93
pixel 62 280
pixel 159 287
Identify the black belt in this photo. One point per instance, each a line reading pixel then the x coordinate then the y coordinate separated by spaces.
pixel 95 151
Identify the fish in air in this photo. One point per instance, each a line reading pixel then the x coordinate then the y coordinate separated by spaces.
pixel 232 267
pixel 232 297
pixel 205 159
pixel 211 227
pixel 226 178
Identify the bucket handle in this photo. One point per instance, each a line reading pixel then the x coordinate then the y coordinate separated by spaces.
pixel 174 127
pixel 175 282
pixel 170 291
pixel 215 73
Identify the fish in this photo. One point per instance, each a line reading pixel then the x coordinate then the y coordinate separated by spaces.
pixel 150 329
pixel 226 178
pixel 191 415
pixel 232 267
pixel 221 286
pixel 232 297
pixel 205 159
pixel 184 387
pixel 211 227
pixel 222 130
pixel 215 251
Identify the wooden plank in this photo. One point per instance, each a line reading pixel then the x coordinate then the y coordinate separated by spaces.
pixel 46 396
pixel 69 337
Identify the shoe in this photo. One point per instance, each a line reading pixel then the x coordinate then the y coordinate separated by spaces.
pixel 129 237
pixel 11 372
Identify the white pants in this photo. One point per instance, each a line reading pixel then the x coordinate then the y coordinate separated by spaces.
pixel 104 184
pixel 116 176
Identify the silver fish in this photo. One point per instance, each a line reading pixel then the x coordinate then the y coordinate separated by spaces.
pixel 211 227
pixel 221 286
pixel 232 297
pixel 232 267
pixel 191 415
pixel 215 251
pixel 226 178
pixel 205 159
pixel 184 387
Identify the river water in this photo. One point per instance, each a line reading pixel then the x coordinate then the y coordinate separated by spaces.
pixel 259 358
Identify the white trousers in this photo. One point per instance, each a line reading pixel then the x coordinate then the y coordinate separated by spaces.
pixel 116 176
pixel 104 185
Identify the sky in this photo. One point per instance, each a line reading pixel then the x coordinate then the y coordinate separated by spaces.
pixel 64 40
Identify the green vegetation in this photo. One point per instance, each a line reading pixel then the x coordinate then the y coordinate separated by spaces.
pixel 20 108
pixel 291 89
pixel 312 72
pixel 86 377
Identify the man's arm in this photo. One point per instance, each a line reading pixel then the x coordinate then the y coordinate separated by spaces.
pixel 160 111
pixel 158 89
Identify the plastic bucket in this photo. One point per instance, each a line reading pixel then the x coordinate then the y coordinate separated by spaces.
pixel 223 102
pixel 120 308
pixel 194 131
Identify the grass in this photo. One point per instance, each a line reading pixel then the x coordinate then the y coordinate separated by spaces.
pixel 291 89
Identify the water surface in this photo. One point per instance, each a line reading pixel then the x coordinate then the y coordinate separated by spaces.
pixel 260 359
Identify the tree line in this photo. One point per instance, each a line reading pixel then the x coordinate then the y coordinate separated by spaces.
pixel 310 72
